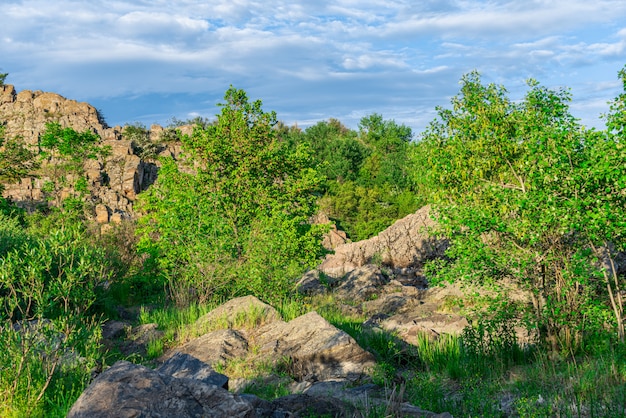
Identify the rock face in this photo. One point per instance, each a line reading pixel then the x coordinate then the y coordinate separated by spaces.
pixel 27 112
pixel 316 349
pixel 325 376
pixel 403 246
pixel 185 366
pixel 130 390
pixel 113 182
pixel 381 278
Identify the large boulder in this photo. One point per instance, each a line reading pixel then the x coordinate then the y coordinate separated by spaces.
pixel 27 112
pixel 301 405
pixel 406 244
pixel 216 347
pixel 185 366
pixel 318 350
pixel 242 309
pixel 362 284
pixel 130 390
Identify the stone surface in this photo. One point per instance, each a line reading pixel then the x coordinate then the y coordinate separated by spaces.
pixel 113 181
pixel 310 284
pixel 361 284
pixel 334 237
pixel 318 350
pixel 114 329
pixel 102 214
pixel 406 243
pixel 185 366
pixel 323 366
pixel 229 312
pixel 214 348
pixel 301 405
pixel 129 390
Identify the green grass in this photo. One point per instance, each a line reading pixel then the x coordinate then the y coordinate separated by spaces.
pixel 460 374
pixel 181 324
pixel 543 386
pixel 43 372
pixel 266 389
pixel 176 323
pixel 479 374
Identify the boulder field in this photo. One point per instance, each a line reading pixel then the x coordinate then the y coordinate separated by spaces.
pixel 325 371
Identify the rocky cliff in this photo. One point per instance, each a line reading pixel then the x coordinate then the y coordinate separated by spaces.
pixel 113 181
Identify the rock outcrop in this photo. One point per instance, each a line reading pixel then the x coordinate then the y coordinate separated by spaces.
pixel 113 181
pixel 327 373
pixel 315 349
pixel 26 113
pixel 404 246
pixel 382 278
pixel 130 390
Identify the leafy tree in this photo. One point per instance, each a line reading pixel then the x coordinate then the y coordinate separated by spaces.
pixel 60 142
pixel 3 77
pixel 525 193
pixel 65 151
pixel 368 185
pixel 16 162
pixel 241 210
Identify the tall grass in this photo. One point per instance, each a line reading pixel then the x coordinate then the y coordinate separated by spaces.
pixel 45 366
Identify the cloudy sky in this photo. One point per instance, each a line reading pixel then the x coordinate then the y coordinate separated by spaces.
pixel 150 60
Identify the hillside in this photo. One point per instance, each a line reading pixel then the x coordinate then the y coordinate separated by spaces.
pixel 113 180
pixel 240 267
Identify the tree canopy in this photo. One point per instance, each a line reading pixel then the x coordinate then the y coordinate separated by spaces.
pixel 237 220
pixel 528 195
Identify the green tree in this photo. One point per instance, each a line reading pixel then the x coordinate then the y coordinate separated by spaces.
pixel 336 150
pixel 238 218
pixel 16 160
pixel 76 147
pixel 367 183
pixel 65 151
pixel 525 194
pixel 3 77
pixel 141 143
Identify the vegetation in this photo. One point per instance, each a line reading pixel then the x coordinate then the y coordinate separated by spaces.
pixel 366 174
pixel 237 222
pixel 529 199
pixel 141 143
pixel 529 196
pixel 66 150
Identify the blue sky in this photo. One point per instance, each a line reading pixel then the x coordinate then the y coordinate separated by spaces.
pixel 150 60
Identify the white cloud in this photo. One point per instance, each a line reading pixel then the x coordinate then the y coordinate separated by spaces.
pixel 336 58
pixel 156 23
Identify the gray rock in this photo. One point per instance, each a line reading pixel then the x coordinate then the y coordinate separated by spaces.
pixel 301 405
pixel 405 244
pixel 310 284
pixel 129 390
pixel 114 329
pixel 183 365
pixel 361 284
pixel 319 351
pixel 215 347
pixel 229 312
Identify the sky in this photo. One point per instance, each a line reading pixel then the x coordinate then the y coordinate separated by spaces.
pixel 148 61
